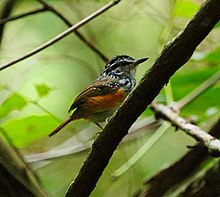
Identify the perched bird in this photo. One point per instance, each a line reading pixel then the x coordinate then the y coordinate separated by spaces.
pixel 100 100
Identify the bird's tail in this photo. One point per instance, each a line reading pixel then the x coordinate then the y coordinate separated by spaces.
pixel 66 122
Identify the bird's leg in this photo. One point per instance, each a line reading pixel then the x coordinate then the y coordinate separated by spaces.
pixel 99 132
pixel 99 126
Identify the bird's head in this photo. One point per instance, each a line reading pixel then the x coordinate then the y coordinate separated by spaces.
pixel 122 65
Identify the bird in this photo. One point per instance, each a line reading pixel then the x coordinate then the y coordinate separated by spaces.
pixel 106 93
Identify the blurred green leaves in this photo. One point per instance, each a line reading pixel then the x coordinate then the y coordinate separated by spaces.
pixel 184 83
pixel 25 130
pixel 213 57
pixel 2 87
pixel 185 8
pixel 14 102
pixel 42 90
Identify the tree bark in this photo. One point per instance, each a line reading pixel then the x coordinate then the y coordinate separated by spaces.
pixel 207 185
pixel 10 186
pixel 179 170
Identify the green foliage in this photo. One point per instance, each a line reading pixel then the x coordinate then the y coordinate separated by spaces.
pixel 42 90
pixel 2 87
pixel 185 8
pixel 14 102
pixel 23 131
pixel 184 83
pixel 213 57
pixel 217 25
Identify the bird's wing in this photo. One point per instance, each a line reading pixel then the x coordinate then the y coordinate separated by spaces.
pixel 98 88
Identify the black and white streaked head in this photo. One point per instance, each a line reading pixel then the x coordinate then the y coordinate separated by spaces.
pixel 123 69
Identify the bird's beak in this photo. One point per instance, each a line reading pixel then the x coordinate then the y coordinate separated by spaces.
pixel 139 61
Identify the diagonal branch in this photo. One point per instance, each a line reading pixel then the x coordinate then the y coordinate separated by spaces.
pixel 206 185
pixel 169 114
pixel 145 123
pixel 153 139
pixel 12 18
pixel 79 35
pixel 47 7
pixel 171 59
pixel 5 13
pixel 178 170
pixel 62 35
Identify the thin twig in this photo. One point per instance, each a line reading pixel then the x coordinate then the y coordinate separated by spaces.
pixel 193 158
pixel 34 102
pixel 79 35
pixel 6 11
pixel 179 170
pixel 177 105
pixel 167 113
pixel 47 7
pixel 207 184
pixel 62 35
pixel 19 16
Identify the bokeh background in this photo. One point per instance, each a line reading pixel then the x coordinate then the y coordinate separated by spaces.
pixel 36 93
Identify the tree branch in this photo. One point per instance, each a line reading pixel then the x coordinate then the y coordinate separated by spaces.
pixel 5 13
pixel 171 59
pixel 206 185
pixel 19 16
pixel 62 35
pixel 46 7
pixel 79 35
pixel 152 140
pixel 145 123
pixel 169 114
pixel 178 170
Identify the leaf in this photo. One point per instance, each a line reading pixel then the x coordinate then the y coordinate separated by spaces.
pixel 185 8
pixel 14 102
pixel 26 130
pixel 42 90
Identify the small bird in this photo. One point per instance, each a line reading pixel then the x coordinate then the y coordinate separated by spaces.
pixel 101 99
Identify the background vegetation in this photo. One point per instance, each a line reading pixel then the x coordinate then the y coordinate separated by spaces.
pixel 36 93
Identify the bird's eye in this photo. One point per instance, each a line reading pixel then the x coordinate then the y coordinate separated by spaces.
pixel 124 63
pixel 118 70
pixel 117 67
